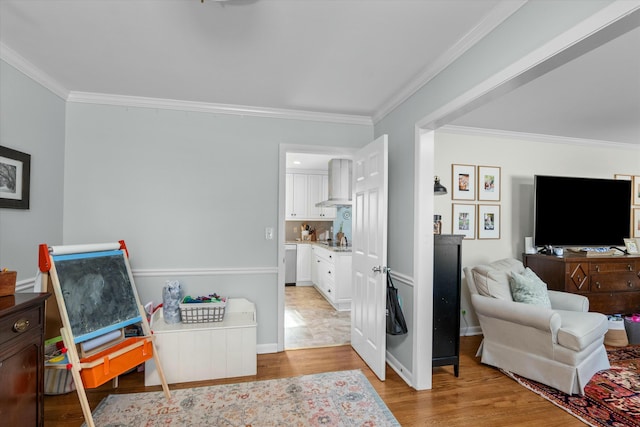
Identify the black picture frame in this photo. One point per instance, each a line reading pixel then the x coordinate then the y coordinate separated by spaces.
pixel 15 173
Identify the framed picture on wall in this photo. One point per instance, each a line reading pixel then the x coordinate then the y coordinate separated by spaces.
pixel 635 188
pixel 15 170
pixel 622 177
pixel 463 181
pixel 463 220
pixel 489 183
pixel 636 222
pixel 488 221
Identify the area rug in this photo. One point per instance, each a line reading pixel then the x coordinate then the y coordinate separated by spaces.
pixel 343 398
pixel 612 396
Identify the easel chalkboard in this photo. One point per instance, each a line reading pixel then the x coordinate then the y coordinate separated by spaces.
pixel 96 296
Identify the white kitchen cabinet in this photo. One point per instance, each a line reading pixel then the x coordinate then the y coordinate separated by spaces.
pixel 205 351
pixel 297 196
pixel 332 276
pixel 302 192
pixel 303 264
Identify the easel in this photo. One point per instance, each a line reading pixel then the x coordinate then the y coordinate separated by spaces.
pixel 112 354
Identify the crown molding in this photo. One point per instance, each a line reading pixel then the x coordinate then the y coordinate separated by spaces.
pixel 535 137
pixel 18 62
pixel 205 107
pixel 498 15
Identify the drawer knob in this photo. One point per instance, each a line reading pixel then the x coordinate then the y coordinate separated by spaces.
pixel 598 268
pixel 629 267
pixel 21 325
pixel 630 284
pixel 598 285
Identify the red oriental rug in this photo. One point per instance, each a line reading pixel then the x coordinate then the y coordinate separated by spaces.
pixel 612 397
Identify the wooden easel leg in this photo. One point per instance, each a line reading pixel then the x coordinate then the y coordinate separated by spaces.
pixel 163 379
pixel 147 331
pixel 77 379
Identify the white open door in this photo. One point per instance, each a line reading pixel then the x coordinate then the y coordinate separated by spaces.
pixel 368 306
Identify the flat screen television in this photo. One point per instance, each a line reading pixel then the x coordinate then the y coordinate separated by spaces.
pixel 581 212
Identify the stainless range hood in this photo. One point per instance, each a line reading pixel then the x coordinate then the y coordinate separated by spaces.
pixel 339 183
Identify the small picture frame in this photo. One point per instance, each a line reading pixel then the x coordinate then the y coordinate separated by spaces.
pixel 463 181
pixel 463 220
pixel 15 171
pixel 635 188
pixel 488 221
pixel 636 223
pixel 631 245
pixel 489 183
pixel 622 177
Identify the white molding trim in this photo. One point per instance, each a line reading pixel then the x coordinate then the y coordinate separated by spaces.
pixel 535 137
pixel 400 369
pixel 26 285
pixel 211 271
pixel 467 331
pixel 205 107
pixel 266 348
pixel 18 62
pixel 498 15
pixel 402 278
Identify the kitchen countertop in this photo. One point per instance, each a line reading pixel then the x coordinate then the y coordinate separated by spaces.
pixel 334 247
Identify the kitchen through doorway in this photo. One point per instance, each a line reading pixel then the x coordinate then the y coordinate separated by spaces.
pixel 309 319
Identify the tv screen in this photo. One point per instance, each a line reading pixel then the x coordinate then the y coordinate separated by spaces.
pixel 581 212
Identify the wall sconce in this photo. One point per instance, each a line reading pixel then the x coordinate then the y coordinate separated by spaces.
pixel 439 189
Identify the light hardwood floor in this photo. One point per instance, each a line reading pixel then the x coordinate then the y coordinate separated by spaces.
pixel 480 396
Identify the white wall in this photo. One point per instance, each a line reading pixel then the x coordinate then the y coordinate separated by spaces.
pixel 190 193
pixel 519 159
pixel 33 121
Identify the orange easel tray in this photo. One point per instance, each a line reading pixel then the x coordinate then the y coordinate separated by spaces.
pixel 108 364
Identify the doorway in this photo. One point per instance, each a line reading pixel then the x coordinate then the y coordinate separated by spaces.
pixel 306 319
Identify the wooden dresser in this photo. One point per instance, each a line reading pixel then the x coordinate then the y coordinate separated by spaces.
pixel 22 359
pixel 612 283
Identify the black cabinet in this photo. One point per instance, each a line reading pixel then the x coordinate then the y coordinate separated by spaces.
pixel 446 300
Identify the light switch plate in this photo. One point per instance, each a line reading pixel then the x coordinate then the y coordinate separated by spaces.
pixel 268 233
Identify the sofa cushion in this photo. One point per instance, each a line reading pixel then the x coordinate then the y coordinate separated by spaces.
pixel 578 329
pixel 529 289
pixel 492 280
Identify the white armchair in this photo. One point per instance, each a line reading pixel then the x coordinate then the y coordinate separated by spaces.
pixel 561 346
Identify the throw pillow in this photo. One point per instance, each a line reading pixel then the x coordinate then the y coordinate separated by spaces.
pixel 529 290
pixel 491 282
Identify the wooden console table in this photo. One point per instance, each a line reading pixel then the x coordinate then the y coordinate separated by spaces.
pixel 612 283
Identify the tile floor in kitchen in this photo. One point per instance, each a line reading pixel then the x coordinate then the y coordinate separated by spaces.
pixel 310 321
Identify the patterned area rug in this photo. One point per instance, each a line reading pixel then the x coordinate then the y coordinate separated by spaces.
pixel 612 397
pixel 331 399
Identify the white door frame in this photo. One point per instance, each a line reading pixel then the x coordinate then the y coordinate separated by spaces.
pixel 587 35
pixel 342 152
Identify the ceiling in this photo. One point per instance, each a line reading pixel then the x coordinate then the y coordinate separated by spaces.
pixel 317 56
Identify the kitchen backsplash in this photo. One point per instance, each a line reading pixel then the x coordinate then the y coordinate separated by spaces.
pixel 323 228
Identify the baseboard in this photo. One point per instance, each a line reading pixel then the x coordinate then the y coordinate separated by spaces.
pixel 470 330
pixel 267 348
pixel 400 369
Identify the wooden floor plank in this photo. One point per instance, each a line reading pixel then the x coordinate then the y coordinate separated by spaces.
pixel 480 396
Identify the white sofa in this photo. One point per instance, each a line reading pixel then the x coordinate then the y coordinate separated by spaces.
pixel 561 346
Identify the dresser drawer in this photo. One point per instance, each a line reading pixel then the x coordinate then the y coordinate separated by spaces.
pixel 612 266
pixel 19 323
pixel 615 282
